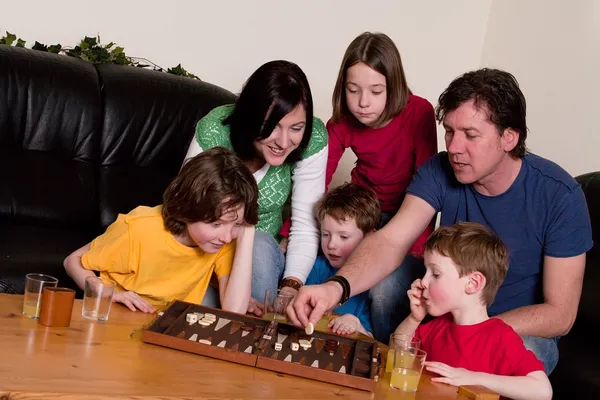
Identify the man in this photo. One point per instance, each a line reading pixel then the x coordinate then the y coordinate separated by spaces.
pixel 486 176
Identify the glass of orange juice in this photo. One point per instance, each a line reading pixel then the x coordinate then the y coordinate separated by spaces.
pixel 34 285
pixel 399 341
pixel 407 368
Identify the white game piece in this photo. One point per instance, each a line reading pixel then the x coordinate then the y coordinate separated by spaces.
pixel 210 316
pixel 245 333
pixel 304 343
pixel 222 322
pixel 315 364
pixel 200 315
pixel 278 346
pixel 204 322
pixel 222 344
pixel 194 337
pixel 295 346
pixel 160 314
pixel 343 369
pixel 248 350
pixel 191 318
pixel 310 328
pixel 288 358
pixel 204 341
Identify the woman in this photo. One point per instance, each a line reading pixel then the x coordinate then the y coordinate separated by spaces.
pixel 271 127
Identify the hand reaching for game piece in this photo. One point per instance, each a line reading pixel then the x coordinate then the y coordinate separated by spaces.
pixel 255 307
pixel 451 376
pixel 415 295
pixel 347 324
pixel 133 301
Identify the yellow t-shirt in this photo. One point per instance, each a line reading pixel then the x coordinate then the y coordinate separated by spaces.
pixel 140 255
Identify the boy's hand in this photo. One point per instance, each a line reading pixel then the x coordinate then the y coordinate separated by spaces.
pixel 347 324
pixel 283 245
pixel 133 301
pixel 255 307
pixel 451 376
pixel 415 295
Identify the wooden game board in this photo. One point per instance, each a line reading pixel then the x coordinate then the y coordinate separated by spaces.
pixel 251 341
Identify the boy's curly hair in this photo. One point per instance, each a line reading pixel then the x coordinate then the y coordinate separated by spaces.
pixel 351 200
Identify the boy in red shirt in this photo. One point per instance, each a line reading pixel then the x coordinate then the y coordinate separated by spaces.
pixel 466 265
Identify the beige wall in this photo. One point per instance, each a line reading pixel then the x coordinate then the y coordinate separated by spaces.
pixel 553 49
pixel 224 41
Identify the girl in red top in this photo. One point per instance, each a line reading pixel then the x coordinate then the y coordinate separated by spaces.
pixel 391 131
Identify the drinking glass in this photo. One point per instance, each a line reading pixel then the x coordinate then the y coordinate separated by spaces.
pixel 275 304
pixel 97 298
pixel 399 341
pixel 34 285
pixel 407 367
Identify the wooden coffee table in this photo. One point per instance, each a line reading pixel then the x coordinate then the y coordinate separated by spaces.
pixel 107 360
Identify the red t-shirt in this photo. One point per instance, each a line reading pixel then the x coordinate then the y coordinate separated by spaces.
pixel 491 346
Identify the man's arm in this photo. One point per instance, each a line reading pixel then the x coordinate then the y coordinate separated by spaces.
pixel 379 254
pixel 563 279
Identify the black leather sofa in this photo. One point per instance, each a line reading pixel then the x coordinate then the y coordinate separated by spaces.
pixel 80 144
pixel 577 375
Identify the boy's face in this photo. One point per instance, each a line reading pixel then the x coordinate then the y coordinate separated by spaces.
pixel 212 236
pixel 339 239
pixel 443 289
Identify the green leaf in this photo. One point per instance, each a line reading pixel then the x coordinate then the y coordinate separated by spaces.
pixel 9 38
pixel 54 48
pixel 20 42
pixel 39 46
pixel 111 44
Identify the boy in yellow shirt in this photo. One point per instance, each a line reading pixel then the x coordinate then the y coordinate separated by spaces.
pixel 169 252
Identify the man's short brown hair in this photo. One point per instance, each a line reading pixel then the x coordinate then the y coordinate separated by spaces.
pixel 351 200
pixel 208 185
pixel 472 247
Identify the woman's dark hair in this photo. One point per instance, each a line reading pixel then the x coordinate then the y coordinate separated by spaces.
pixel 495 91
pixel 207 186
pixel 271 92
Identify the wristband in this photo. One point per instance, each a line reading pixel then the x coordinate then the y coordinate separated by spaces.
pixel 287 282
pixel 345 287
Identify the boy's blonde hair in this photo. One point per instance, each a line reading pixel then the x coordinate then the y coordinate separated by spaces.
pixel 351 200
pixel 472 247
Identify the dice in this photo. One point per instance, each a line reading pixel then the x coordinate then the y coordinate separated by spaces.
pixel 191 318
pixel 295 346
pixel 278 346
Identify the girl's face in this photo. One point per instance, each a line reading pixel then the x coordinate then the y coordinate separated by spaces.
pixel 284 139
pixel 366 93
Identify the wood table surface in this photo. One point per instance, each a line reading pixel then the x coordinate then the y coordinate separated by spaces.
pixel 107 360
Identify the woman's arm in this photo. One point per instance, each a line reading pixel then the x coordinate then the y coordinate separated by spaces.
pixel 235 288
pixel 307 188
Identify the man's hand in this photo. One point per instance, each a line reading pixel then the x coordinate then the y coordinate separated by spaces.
pixel 255 307
pixel 133 301
pixel 347 324
pixel 415 295
pixel 451 376
pixel 312 302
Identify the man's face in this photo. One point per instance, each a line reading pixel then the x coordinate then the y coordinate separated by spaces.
pixel 475 147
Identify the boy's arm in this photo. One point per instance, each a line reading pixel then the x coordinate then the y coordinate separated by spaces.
pixel 408 326
pixel 234 289
pixel 74 267
pixel 533 386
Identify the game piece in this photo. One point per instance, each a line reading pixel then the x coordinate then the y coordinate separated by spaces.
pixel 191 318
pixel 278 346
pixel 222 344
pixel 310 328
pixel 204 341
pixel 194 337
pixel 200 315
pixel 295 346
pixel 221 323
pixel 305 344
pixel 160 314
pixel 210 316
pixel 204 323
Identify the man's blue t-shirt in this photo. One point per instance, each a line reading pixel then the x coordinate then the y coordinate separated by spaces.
pixel 542 213
pixel 356 305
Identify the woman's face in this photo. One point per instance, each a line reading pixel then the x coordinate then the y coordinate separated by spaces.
pixel 284 139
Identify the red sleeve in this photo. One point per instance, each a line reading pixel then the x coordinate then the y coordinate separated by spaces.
pixel 515 359
pixel 336 142
pixel 425 140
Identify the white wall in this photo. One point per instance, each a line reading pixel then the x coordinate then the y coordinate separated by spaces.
pixel 553 49
pixel 224 41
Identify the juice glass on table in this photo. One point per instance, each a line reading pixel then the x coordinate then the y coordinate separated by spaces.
pixel 399 341
pixel 407 368
pixel 34 285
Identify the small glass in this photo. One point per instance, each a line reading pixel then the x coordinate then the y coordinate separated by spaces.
pixel 97 298
pixel 399 341
pixel 276 303
pixel 407 367
pixel 34 285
